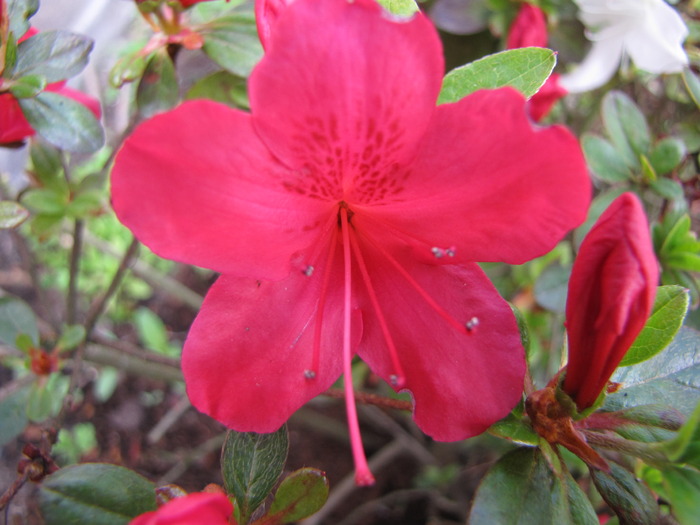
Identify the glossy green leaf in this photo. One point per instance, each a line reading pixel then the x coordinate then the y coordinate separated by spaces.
pixel 232 42
pixel 682 490
pixel 685 447
pixel 55 55
pixel 692 82
pixel 47 164
pixel 667 154
pixel 626 126
pixel 668 189
pixel 18 12
pixel 670 307
pixel 63 122
pixel 400 7
pixel 46 397
pixel 604 160
pixel 630 498
pixel 526 69
pixel 27 86
pixel 513 428
pixel 551 287
pixel 158 89
pixel 670 378
pixel 16 317
pixel 12 214
pixel 251 464
pixel 300 494
pixel 13 414
pixel 46 200
pixel 222 87
pixel 522 489
pixel 71 337
pixel 128 69
pixel 94 493
pixel 648 423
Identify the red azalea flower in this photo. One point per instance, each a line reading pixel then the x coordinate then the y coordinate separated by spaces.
pixel 266 14
pixel 198 507
pixel 611 294
pixel 529 29
pixel 346 212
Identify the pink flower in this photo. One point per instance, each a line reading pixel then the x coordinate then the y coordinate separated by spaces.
pixel 611 294
pixel 345 214
pixel 198 507
pixel 529 29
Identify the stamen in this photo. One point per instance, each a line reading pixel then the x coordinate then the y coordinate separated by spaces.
pixel 310 374
pixel 460 327
pixel 441 252
pixel 363 476
pixel 308 271
pixel 472 324
pixel 397 379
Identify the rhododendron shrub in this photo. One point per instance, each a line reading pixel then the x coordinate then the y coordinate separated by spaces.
pixel 345 214
pixel 413 246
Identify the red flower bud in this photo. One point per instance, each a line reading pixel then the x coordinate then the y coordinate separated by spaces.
pixel 198 507
pixel 611 294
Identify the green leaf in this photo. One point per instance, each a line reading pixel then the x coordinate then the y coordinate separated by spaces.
pixel 526 69
pixel 403 8
pixel 604 160
pixel 63 122
pixel 222 87
pixel 46 398
pixel 551 287
pixel 16 318
pixel 251 464
pixel 85 203
pixel 13 414
pixel 670 307
pixel 631 500
pixel 522 489
pixel 151 330
pixel 682 489
pixel 47 163
pixel 667 154
pixel 668 189
pixel 626 126
pixel 71 337
pixel 94 493
pixel 685 447
pixel 158 89
pixel 670 378
pixel 692 82
pixel 46 200
pixel 27 86
pixel 513 428
pixel 18 12
pixel 300 494
pixel 12 214
pixel 127 69
pixel 232 42
pixel 54 55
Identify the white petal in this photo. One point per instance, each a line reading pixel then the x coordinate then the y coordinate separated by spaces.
pixel 656 45
pixel 597 68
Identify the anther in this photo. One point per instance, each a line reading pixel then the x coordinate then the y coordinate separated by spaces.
pixel 396 380
pixel 308 271
pixel 437 252
pixel 309 374
pixel 472 324
pixel 440 252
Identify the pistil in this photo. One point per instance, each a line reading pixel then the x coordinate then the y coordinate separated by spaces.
pixel 363 476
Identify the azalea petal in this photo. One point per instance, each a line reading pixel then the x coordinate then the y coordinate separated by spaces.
pixel 13 124
pixel 247 352
pixel 656 44
pixel 333 98
pixel 597 68
pixel 461 383
pixel 488 184
pixel 266 14
pixel 197 185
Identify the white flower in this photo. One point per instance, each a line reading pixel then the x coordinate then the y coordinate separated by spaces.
pixel 650 32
